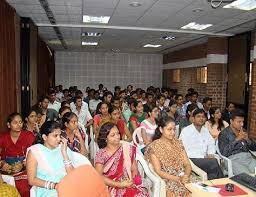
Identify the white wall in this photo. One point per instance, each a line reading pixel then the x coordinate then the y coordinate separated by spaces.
pixel 111 69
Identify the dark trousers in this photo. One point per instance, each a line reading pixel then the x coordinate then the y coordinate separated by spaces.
pixel 210 166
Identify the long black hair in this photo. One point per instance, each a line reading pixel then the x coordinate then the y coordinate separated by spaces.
pixel 220 122
pixel 66 118
pixel 103 134
pixel 47 128
pixel 163 122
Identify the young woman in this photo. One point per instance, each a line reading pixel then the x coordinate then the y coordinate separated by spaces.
pixel 120 123
pixel 101 117
pixel 13 148
pixel 31 122
pixel 181 108
pixel 148 126
pixel 215 124
pixel 116 162
pixel 138 116
pixel 75 136
pixel 48 161
pixel 169 159
pixel 172 110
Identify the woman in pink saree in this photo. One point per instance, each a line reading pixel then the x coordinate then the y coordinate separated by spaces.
pixel 116 162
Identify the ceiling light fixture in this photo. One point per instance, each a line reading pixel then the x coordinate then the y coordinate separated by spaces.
pixel 115 50
pixel 197 10
pixel 242 5
pixel 89 43
pixel 196 26
pixel 96 19
pixel 168 37
pixel 152 45
pixel 135 4
pixel 91 34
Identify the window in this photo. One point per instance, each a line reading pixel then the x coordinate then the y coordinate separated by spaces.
pixel 176 76
pixel 201 75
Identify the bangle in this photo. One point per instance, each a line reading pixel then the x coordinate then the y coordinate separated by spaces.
pixel 49 185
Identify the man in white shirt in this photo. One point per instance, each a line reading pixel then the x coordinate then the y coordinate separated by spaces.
pixel 53 104
pixel 200 145
pixel 84 104
pixel 93 103
pixel 83 114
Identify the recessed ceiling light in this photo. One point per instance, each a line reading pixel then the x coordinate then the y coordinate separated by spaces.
pixel 152 45
pixel 135 4
pixel 196 26
pixel 168 37
pixel 198 10
pixel 115 50
pixel 242 5
pixel 96 19
pixel 89 43
pixel 91 34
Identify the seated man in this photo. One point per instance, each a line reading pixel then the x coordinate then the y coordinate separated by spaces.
pixel 234 143
pixel 200 145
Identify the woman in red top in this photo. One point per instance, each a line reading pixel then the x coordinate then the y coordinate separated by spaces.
pixel 13 148
pixel 120 123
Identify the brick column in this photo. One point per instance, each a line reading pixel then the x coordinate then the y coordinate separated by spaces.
pixel 252 100
pixel 217 50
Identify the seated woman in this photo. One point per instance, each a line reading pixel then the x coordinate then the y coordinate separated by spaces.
pixel 101 116
pixel 13 148
pixel 116 162
pixel 7 190
pixel 138 116
pixel 215 124
pixel 48 161
pixel 115 114
pixel 149 125
pixel 75 135
pixel 172 109
pixel 31 122
pixel 169 159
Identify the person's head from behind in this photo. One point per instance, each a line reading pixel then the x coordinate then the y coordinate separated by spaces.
pixel 138 107
pixel 166 129
pixel 64 110
pixel 172 107
pixel 31 117
pixel 199 117
pixel 230 107
pixel 65 103
pixel 194 97
pixel 179 99
pixel 190 109
pixel 69 121
pixel 114 113
pixel 237 119
pixel 150 97
pixel 14 122
pixel 78 101
pixel 108 97
pixel 52 96
pixel 154 112
pixel 190 90
pixel 43 102
pixel 134 95
pixel 50 135
pixel 103 108
pixel 108 135
pixel 79 93
pixel 116 102
pixel 207 103
pixel 161 100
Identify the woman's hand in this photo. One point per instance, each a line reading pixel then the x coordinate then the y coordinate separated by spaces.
pixel 184 179
pixel 125 184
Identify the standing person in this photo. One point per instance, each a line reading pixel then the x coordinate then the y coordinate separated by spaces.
pixel 227 112
pixel 75 136
pixel 49 160
pixel 235 144
pixel 13 148
pixel 31 122
pixel 181 108
pixel 120 123
pixel 200 146
pixel 138 116
pixel 215 124
pixel 169 159
pixel 117 165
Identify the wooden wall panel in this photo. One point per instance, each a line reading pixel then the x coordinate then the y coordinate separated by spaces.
pixel 8 99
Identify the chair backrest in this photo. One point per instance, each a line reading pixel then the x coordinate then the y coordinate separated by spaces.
pixel 82 181
pixel 8 179
pixel 177 131
pixel 137 138
pixel 85 134
pixel 93 146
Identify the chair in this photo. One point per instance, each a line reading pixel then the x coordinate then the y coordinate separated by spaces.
pixel 137 138
pixel 85 134
pixel 177 131
pixel 93 146
pixel 227 162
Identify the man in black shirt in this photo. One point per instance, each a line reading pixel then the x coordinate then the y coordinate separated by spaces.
pixel 234 143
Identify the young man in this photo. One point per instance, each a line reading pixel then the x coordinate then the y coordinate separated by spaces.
pixel 207 104
pixel 234 143
pixel 84 104
pixel 53 103
pixel 200 146
pixel 163 109
pixel 194 98
pixel 150 102
pixel 229 109
pixel 47 113
pixel 94 102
